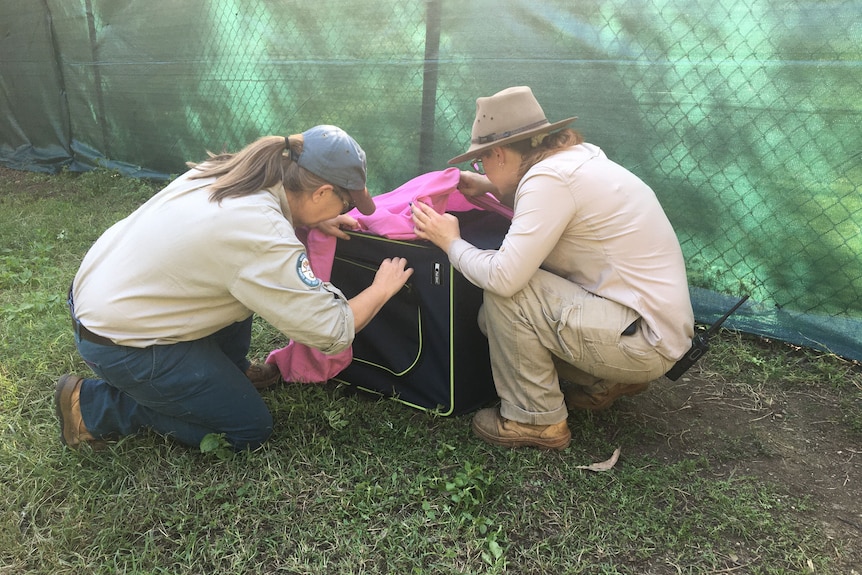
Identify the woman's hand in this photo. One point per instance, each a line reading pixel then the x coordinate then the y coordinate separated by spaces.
pixel 336 225
pixel 472 184
pixel 391 276
pixel 440 229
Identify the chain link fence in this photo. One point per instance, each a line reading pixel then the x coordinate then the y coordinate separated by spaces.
pixel 744 116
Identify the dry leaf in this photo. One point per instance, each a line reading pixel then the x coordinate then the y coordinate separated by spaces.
pixel 604 465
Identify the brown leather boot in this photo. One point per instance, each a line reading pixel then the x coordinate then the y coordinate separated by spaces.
pixel 67 406
pixel 263 375
pixel 489 425
pixel 579 397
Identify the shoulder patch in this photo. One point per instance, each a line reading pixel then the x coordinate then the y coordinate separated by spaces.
pixel 303 270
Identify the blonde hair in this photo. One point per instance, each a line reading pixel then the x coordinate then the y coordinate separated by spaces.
pixel 534 150
pixel 266 162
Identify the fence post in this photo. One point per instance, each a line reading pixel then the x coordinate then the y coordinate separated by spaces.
pixel 97 78
pixel 429 85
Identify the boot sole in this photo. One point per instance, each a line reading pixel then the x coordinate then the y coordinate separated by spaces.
pixel 263 384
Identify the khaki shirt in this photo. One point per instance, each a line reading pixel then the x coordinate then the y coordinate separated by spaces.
pixel 585 218
pixel 181 268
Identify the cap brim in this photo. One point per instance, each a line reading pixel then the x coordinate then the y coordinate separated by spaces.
pixel 362 200
pixel 474 149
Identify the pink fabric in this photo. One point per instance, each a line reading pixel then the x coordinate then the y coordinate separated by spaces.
pixel 300 363
pixel 391 219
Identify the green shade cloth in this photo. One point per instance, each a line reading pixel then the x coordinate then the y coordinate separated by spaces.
pixel 743 116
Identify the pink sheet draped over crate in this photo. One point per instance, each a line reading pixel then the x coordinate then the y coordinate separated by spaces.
pixel 392 219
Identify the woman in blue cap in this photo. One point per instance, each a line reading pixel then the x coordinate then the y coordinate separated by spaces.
pixel 162 303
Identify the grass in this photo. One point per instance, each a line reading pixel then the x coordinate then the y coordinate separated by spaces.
pixel 348 483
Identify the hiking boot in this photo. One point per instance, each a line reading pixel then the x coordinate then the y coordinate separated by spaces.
pixel 490 426
pixel 263 375
pixel 67 407
pixel 578 397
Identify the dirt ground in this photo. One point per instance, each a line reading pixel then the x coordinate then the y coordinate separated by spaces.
pixel 791 438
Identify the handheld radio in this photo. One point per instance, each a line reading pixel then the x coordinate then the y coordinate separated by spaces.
pixel 700 345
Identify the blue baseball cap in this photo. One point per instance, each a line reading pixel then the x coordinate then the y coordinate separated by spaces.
pixel 330 152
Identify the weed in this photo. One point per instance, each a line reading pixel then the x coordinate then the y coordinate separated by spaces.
pixel 216 444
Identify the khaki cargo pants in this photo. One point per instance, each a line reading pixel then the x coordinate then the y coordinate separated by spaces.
pixel 555 323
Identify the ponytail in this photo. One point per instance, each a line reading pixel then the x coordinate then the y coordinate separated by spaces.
pixel 258 166
pixel 266 162
pixel 541 146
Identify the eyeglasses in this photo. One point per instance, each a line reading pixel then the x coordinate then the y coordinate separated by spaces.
pixel 477 166
pixel 347 203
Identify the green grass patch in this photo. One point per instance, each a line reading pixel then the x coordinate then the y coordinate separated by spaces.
pixel 348 483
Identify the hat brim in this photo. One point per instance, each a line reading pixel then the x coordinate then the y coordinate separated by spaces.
pixel 476 149
pixel 363 202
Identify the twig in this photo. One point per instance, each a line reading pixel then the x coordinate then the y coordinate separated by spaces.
pixel 737 568
pixel 850 523
pixel 761 417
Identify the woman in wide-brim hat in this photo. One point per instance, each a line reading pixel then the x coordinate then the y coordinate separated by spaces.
pixel 588 286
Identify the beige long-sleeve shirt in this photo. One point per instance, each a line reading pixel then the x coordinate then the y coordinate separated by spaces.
pixel 588 219
pixel 181 267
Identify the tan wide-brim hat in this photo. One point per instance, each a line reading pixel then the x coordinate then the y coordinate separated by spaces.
pixel 508 116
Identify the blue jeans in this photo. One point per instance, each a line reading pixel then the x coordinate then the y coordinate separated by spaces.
pixel 183 390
